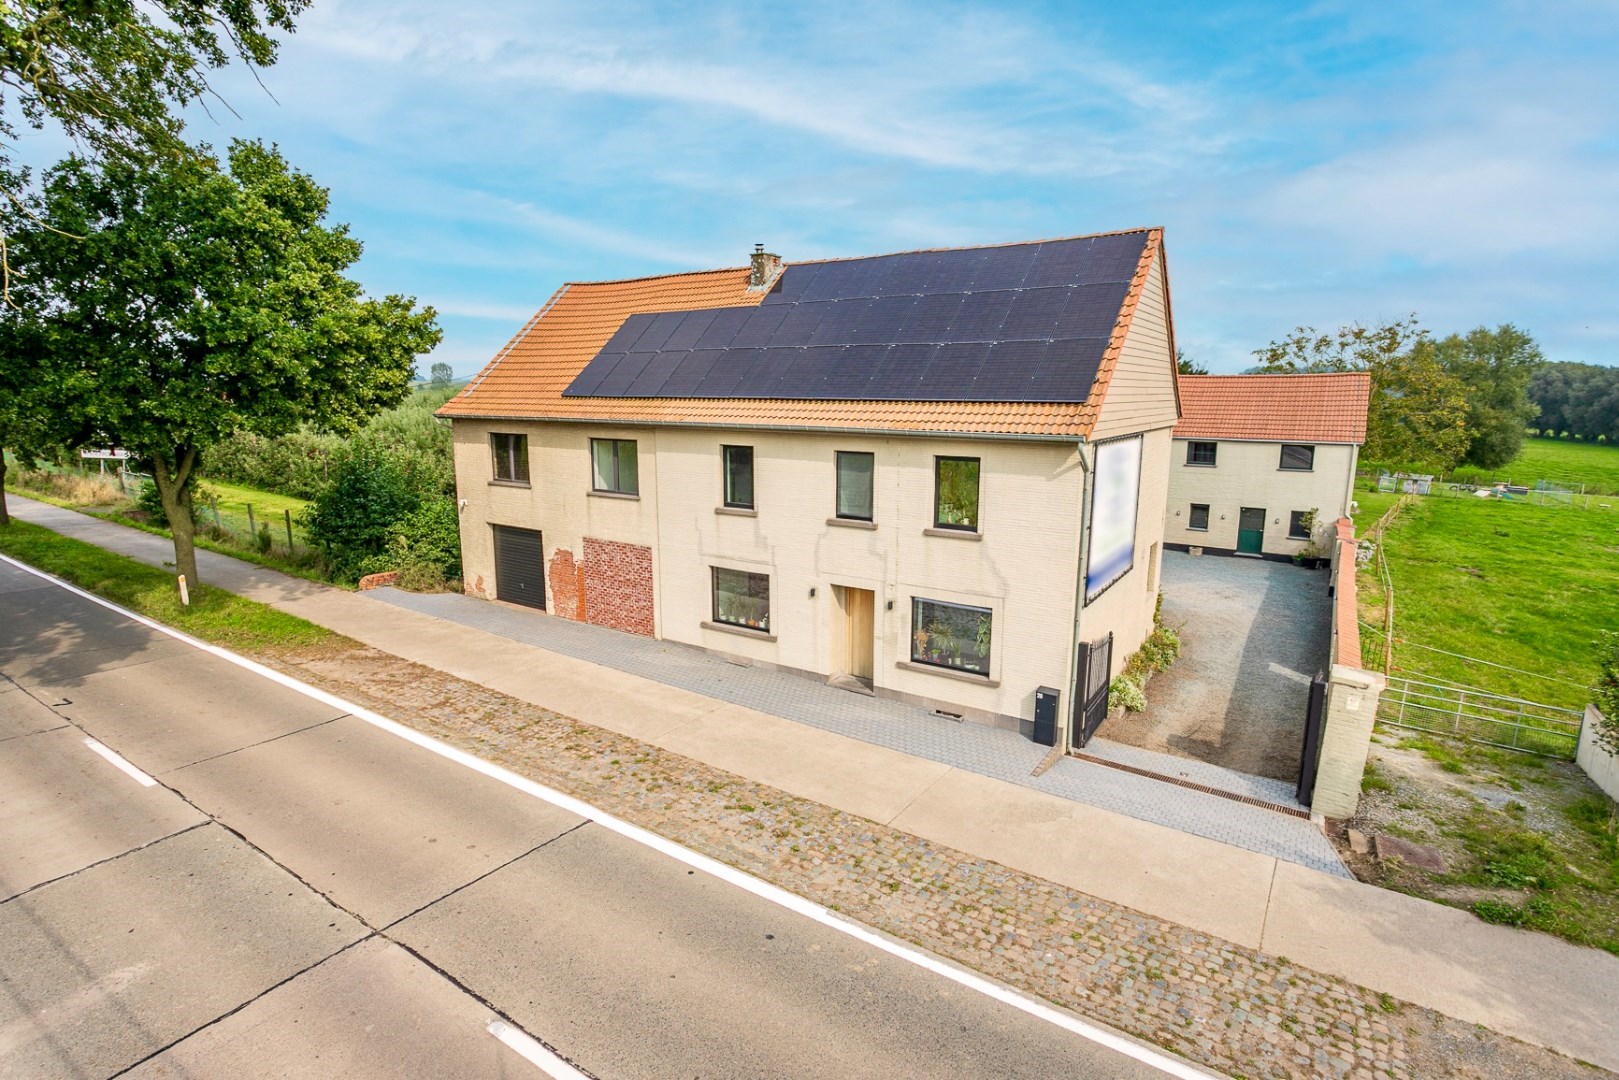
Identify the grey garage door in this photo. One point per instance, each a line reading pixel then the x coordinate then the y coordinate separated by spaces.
pixel 519 566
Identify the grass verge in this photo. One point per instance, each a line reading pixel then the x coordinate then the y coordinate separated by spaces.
pixel 214 615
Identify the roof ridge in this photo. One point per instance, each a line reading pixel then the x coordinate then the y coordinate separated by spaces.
pixel 978 247
pixel 1282 375
pixel 662 277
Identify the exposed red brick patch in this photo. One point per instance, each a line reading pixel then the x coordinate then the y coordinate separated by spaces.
pixel 377 581
pixel 567 586
pixel 617 589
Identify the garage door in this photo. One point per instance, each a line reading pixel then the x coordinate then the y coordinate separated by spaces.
pixel 519 566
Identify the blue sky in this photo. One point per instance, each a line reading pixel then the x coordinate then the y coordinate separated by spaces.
pixel 1311 164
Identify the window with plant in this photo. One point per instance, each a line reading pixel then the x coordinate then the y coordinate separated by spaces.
pixel 742 598
pixel 614 466
pixel 1301 524
pixel 854 485
pixel 738 461
pixel 950 635
pixel 511 457
pixel 955 489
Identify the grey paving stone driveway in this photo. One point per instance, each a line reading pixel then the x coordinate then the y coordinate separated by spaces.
pixel 1004 755
pixel 1253 633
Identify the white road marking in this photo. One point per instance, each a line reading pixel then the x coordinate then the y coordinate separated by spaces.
pixel 123 766
pixel 534 1051
pixel 1147 1055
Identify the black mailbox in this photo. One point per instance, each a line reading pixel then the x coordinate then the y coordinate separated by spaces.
pixel 1045 716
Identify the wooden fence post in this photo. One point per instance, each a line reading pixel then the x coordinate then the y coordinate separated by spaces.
pixel 288 513
pixel 252 526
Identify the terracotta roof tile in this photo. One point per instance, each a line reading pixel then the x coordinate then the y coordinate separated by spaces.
pixel 1327 408
pixel 526 379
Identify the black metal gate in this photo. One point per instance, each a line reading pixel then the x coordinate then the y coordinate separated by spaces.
pixel 1091 682
pixel 519 566
pixel 1314 720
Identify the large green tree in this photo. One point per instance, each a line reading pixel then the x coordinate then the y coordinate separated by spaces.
pixel 1577 399
pixel 1417 417
pixel 198 299
pixel 1495 366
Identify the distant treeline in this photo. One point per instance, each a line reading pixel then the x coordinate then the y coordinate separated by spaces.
pixel 1577 400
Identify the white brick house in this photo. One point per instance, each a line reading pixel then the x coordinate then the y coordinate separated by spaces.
pixel 906 494
pixel 1257 457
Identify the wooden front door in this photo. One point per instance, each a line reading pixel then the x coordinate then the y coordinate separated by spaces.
pixel 1251 531
pixel 858 611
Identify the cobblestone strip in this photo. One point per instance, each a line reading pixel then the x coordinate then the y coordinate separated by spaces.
pixel 1231 1008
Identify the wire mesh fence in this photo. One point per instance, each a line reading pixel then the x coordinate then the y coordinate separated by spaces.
pixel 1540 493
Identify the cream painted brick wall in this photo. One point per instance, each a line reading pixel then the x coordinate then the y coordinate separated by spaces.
pixel 1021 570
pixel 1247 474
pixel 1126 608
pixel 1024 569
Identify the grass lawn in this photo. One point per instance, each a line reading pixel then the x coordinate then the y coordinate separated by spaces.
pixel 1515 584
pixel 1371 504
pixel 214 615
pixel 1570 464
pixel 268 509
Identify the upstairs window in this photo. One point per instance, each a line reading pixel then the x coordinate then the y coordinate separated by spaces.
pixel 614 467
pixel 1200 517
pixel 955 493
pixel 511 457
pixel 738 464
pixel 1298 458
pixel 854 485
pixel 742 599
pixel 1201 453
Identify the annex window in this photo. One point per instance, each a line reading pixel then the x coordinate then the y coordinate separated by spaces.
pixel 613 466
pixel 854 485
pixel 950 635
pixel 1298 458
pixel 738 461
pixel 955 493
pixel 1201 453
pixel 1299 524
pixel 1200 517
pixel 511 457
pixel 742 599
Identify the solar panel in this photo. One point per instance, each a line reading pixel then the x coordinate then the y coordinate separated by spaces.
pixel 1023 322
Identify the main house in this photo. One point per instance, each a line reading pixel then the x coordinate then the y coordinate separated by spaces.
pixel 927 475
pixel 1264 464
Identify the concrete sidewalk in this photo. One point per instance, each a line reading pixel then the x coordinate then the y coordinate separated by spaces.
pixel 1532 986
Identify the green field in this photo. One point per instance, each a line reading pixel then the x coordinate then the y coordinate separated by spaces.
pixel 1510 583
pixel 1591 467
pixel 268 508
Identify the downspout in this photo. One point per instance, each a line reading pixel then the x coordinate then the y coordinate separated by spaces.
pixel 1065 719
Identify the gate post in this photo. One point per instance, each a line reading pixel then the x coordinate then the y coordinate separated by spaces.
pixel 1346 739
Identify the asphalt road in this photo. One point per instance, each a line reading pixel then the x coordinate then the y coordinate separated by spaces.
pixel 302 893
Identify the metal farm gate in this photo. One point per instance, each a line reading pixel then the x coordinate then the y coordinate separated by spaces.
pixel 1091 682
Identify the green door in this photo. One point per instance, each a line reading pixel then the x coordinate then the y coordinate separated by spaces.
pixel 1251 530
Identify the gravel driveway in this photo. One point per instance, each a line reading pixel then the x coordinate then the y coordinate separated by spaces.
pixel 1253 634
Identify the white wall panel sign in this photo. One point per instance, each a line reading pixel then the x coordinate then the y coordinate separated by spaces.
pixel 1114 497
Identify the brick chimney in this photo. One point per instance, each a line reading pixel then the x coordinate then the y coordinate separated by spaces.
pixel 766 268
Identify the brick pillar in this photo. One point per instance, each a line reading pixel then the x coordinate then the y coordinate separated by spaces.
pixel 1346 739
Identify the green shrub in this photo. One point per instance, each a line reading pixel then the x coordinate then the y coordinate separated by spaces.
pixel 1126 692
pixel 1605 692
pixel 354 518
pixel 425 546
pixel 1500 912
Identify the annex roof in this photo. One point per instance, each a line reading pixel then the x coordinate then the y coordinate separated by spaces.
pixel 1012 339
pixel 1325 408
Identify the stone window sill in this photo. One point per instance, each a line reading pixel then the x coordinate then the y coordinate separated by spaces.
pixel 740 631
pixel 960 676
pixel 955 534
pixel 613 495
pixel 851 523
pixel 736 511
pixel 510 483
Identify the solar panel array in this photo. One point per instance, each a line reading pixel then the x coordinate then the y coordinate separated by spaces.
pixel 1027 322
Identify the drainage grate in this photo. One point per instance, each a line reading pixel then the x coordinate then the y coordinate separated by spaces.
pixel 1232 795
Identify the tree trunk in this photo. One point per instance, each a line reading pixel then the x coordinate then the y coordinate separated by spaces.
pixel 171 475
pixel 5 514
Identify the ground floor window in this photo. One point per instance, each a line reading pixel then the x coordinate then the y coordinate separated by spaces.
pixel 1298 526
pixel 950 635
pixel 742 598
pixel 1200 517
